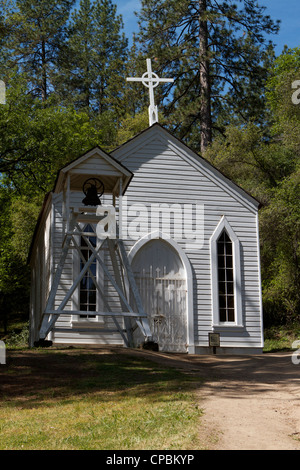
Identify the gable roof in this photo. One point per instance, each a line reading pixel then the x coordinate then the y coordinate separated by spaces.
pixel 94 163
pixel 157 131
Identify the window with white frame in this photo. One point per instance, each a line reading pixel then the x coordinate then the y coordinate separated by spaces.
pixel 87 289
pixel 226 276
pixel 87 297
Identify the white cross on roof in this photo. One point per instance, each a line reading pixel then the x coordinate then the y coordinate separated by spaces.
pixel 151 81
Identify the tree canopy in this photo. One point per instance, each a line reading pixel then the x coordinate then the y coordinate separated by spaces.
pixel 266 162
pixel 217 51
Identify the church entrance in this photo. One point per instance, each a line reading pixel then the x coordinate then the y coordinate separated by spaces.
pixel 161 280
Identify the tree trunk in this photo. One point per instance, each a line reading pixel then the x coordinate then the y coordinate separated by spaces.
pixel 44 72
pixel 205 95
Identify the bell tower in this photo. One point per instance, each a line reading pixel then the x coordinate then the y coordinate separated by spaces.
pixel 95 175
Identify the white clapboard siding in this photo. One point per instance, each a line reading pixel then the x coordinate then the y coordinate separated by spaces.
pixel 96 165
pixel 162 174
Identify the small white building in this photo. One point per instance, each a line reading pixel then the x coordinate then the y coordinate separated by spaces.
pixel 186 234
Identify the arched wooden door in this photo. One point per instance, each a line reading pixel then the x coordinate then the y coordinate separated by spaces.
pixel 161 279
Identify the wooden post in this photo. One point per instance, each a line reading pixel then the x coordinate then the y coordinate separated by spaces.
pixel 134 289
pixel 119 282
pixel 120 224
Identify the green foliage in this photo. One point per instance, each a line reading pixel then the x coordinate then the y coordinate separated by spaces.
pixel 92 64
pixel 217 51
pixel 280 238
pixel 280 226
pixel 36 140
pixel 250 158
pixel 285 71
pixel 14 272
pixel 24 214
pixel 280 91
pixel 18 339
pixel 281 338
pixel 265 161
pixel 37 32
pixel 132 126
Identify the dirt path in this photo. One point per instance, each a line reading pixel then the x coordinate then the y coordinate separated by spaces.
pixel 249 403
pixel 258 409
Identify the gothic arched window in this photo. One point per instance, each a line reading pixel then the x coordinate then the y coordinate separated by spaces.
pixel 226 276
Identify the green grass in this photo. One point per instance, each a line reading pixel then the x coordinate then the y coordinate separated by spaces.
pixel 74 399
pixel 281 338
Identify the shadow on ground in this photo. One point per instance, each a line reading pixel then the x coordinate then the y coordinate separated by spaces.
pixel 31 376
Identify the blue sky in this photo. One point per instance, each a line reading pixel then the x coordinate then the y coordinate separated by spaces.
pixel 288 11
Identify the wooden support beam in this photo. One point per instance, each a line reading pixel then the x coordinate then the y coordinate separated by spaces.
pixel 56 280
pixel 134 289
pixel 127 341
pixel 49 324
pixel 47 327
pixel 111 246
pixel 106 271
pixel 103 314
pixel 79 278
pixel 82 329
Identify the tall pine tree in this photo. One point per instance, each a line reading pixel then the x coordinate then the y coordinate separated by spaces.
pixel 92 65
pixel 213 49
pixel 37 33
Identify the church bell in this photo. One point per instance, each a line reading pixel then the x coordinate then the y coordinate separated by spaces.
pixel 92 188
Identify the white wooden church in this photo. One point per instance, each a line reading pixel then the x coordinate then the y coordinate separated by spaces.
pixel 147 245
